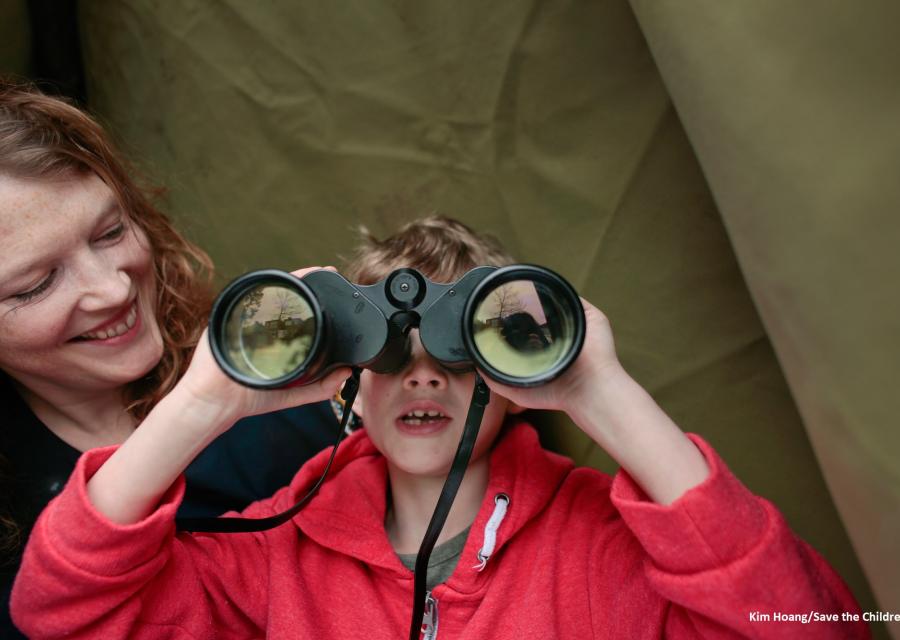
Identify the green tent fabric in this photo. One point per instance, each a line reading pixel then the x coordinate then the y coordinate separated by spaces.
pixel 794 117
pixel 279 127
pixel 15 38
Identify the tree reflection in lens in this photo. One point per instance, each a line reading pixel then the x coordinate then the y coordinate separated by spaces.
pixel 522 330
pixel 269 332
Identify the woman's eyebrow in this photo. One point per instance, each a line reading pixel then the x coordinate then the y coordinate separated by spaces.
pixel 110 207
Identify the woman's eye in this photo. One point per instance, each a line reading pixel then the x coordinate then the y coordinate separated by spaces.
pixel 113 233
pixel 25 296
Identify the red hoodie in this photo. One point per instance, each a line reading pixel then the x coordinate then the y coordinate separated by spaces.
pixel 577 555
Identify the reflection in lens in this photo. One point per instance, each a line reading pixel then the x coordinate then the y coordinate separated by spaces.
pixel 523 329
pixel 269 332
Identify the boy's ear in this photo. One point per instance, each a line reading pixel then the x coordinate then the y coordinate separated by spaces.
pixel 358 405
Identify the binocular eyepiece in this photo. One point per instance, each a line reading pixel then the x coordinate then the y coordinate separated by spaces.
pixel 522 325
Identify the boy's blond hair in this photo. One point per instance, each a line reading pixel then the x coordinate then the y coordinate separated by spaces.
pixel 442 248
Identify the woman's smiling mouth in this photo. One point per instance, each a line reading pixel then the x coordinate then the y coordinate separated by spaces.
pixel 116 331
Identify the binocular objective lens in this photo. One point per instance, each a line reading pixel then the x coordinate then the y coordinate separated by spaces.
pixel 523 329
pixel 269 332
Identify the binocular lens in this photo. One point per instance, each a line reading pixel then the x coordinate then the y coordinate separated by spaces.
pixel 523 328
pixel 269 332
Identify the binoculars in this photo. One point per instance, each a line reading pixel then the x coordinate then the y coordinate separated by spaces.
pixel 521 325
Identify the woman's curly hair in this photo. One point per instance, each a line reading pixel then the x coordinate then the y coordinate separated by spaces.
pixel 45 137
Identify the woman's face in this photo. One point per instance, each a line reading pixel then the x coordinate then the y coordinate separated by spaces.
pixel 77 287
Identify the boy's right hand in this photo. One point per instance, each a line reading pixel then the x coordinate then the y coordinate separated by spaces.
pixel 203 404
pixel 214 398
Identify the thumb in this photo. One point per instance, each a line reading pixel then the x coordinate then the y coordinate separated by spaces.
pixel 323 389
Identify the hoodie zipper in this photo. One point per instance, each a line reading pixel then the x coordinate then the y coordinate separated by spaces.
pixel 430 619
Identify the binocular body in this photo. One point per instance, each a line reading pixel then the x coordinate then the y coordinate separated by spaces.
pixel 521 324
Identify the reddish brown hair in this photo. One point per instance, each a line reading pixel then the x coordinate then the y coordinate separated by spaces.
pixel 442 248
pixel 45 137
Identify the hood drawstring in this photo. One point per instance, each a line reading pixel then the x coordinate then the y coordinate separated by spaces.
pixel 501 503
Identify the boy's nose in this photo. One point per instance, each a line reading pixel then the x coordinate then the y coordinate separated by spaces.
pixel 423 371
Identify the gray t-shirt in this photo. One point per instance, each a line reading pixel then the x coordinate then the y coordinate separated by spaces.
pixel 442 562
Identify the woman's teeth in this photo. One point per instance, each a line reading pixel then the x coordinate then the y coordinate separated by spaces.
pixel 118 330
pixel 418 417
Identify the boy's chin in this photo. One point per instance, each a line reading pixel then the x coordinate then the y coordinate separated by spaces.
pixel 436 473
pixel 423 466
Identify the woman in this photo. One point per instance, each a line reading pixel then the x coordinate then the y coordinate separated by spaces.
pixel 102 302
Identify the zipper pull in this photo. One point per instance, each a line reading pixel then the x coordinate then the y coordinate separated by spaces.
pixel 430 619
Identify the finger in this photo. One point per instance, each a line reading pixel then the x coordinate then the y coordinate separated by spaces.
pixel 302 272
pixel 497 387
pixel 335 380
pixel 331 384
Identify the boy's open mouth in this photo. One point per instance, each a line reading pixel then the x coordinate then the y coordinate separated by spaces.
pixel 422 417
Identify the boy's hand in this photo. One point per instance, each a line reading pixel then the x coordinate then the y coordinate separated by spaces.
pixel 216 399
pixel 209 392
pixel 617 414
pixel 596 362
pixel 203 404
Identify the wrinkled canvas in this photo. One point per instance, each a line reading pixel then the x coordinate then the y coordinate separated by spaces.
pixel 279 127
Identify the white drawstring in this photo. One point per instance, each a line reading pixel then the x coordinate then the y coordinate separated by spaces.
pixel 501 503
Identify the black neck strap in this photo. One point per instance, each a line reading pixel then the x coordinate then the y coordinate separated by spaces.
pixel 481 395
pixel 245 525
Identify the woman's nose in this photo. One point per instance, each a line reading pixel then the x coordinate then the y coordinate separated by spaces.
pixel 422 371
pixel 103 286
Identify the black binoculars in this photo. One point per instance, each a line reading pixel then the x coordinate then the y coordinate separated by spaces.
pixel 522 325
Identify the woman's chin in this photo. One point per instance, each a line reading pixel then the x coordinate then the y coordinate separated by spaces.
pixel 129 366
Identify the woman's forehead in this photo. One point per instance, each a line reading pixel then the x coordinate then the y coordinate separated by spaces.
pixel 40 215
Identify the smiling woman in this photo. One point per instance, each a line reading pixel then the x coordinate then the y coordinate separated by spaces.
pixel 62 181
pixel 102 303
pixel 77 296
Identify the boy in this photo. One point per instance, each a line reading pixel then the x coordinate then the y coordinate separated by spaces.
pixel 674 546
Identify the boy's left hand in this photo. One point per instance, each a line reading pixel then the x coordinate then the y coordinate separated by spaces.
pixel 596 362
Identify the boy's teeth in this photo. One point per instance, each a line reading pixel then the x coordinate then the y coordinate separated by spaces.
pixel 415 417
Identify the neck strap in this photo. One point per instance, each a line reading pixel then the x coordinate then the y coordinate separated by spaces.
pixel 481 395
